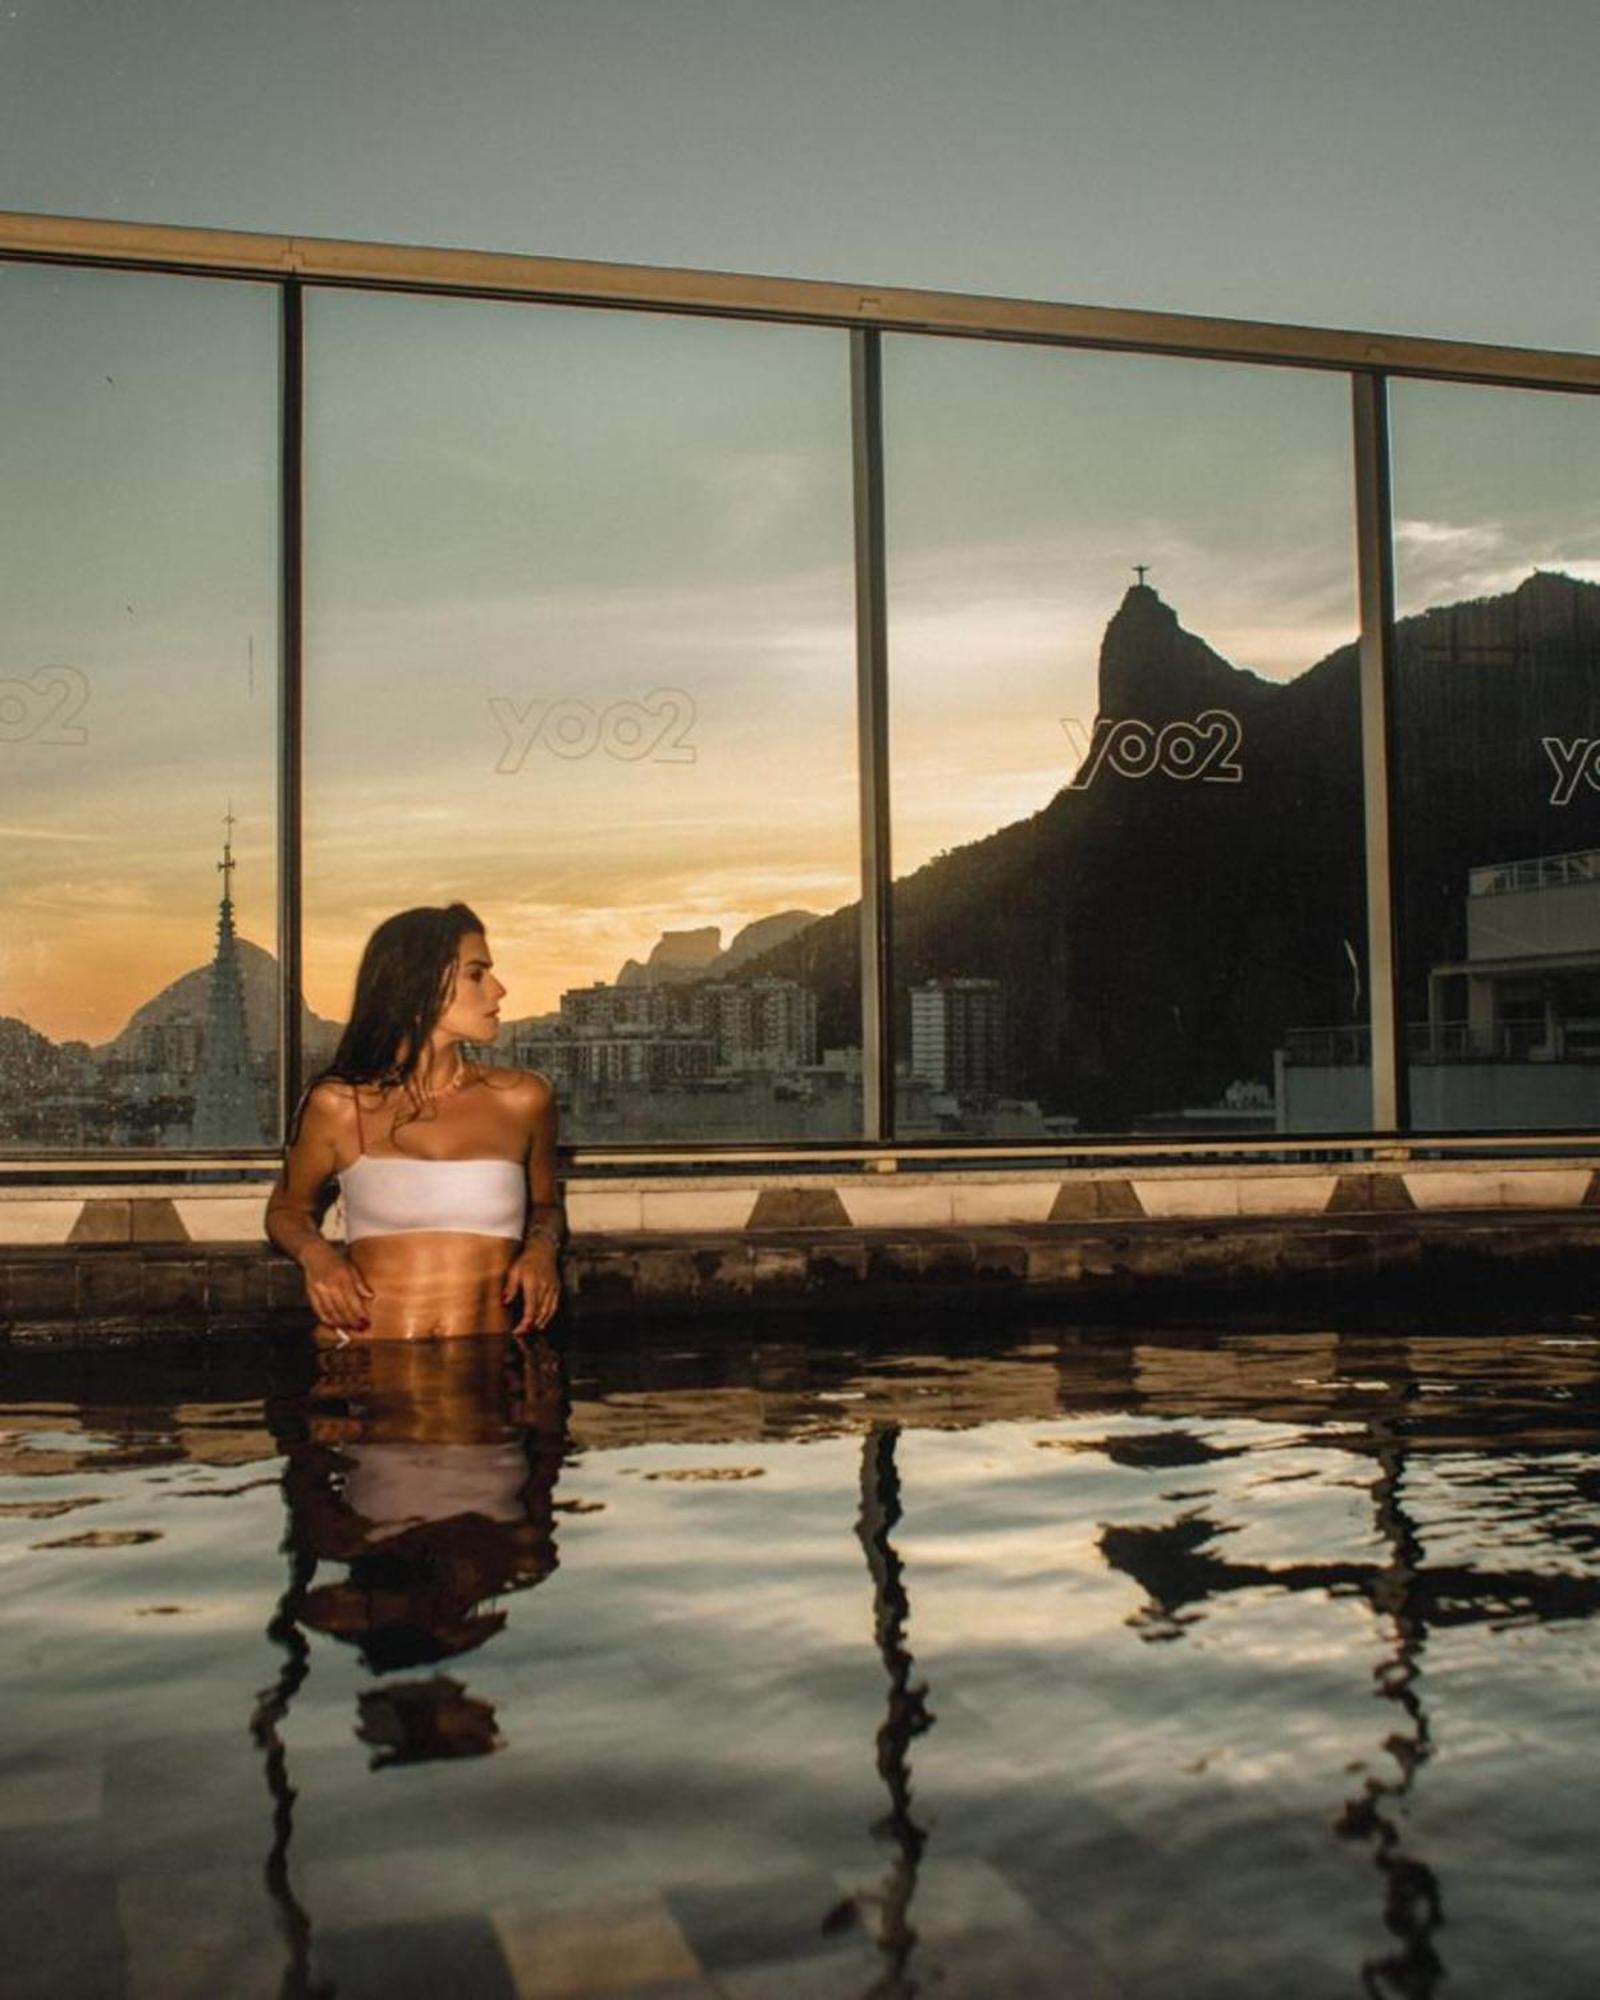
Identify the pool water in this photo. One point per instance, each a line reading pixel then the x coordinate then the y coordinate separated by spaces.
pixel 1047 1663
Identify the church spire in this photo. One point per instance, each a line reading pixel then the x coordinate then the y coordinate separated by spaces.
pixel 225 1092
pixel 226 865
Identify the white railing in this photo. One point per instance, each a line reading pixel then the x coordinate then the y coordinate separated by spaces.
pixel 1544 871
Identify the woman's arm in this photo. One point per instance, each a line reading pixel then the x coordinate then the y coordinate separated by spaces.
pixel 335 1289
pixel 535 1272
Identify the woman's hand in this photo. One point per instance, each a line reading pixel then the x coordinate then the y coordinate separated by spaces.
pixel 336 1290
pixel 536 1274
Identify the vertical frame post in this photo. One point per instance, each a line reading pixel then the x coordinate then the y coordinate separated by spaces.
pixel 1391 1110
pixel 291 608
pixel 872 713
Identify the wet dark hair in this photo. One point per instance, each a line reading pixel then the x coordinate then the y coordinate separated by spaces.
pixel 403 985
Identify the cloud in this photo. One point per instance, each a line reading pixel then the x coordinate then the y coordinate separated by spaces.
pixel 1448 562
pixel 105 893
pixel 1461 540
pixel 50 833
pixel 751 492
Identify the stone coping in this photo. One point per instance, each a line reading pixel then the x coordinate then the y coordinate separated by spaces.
pixel 719 1203
pixel 1446 1265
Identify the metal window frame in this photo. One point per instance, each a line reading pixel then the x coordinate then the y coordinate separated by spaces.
pixel 1370 360
pixel 876 928
pixel 498 274
pixel 1374 517
pixel 291 711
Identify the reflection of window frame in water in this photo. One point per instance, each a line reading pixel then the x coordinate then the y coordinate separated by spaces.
pixel 907 1716
pixel 1176 1567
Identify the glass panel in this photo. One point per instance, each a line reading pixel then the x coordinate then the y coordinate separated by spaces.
pixel 1126 746
pixel 1497 561
pixel 138 705
pixel 580 653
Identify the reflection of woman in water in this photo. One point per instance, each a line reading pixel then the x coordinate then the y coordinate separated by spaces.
pixel 447 1167
pixel 426 1470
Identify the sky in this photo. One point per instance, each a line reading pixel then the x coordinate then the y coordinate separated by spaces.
pixel 1424 166
pixel 630 524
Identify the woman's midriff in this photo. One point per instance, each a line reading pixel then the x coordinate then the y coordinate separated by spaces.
pixel 431 1284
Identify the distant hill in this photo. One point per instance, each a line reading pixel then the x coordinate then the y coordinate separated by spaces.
pixel 681 956
pixel 759 937
pixel 1156 937
pixel 676 956
pixel 185 1000
pixel 26 1056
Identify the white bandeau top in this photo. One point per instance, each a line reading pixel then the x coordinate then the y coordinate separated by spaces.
pixel 397 1197
pixel 395 1485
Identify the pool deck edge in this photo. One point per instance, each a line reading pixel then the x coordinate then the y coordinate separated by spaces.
pixel 1130 1266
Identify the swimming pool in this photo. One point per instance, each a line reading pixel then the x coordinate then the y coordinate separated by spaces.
pixel 1039 1663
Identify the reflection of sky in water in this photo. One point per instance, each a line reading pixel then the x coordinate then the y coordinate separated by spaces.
pixel 1183 1661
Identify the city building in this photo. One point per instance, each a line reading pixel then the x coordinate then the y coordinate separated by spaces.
pixel 761 1024
pixel 958 1036
pixel 602 1008
pixel 656 1036
pixel 1512 1036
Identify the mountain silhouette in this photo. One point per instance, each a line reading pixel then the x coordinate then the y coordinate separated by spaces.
pixel 26 1056
pixel 681 956
pixel 1157 935
pixel 185 999
pixel 676 956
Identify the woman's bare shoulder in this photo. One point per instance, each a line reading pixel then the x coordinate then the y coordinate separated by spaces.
pixel 532 1084
pixel 329 1105
pixel 530 1091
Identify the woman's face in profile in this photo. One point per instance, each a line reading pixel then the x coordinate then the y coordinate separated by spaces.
pixel 472 1005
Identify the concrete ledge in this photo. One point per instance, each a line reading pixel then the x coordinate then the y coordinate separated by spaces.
pixel 759 1205
pixel 1449 1265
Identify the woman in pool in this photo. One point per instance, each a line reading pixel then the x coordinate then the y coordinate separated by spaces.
pixel 448 1168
